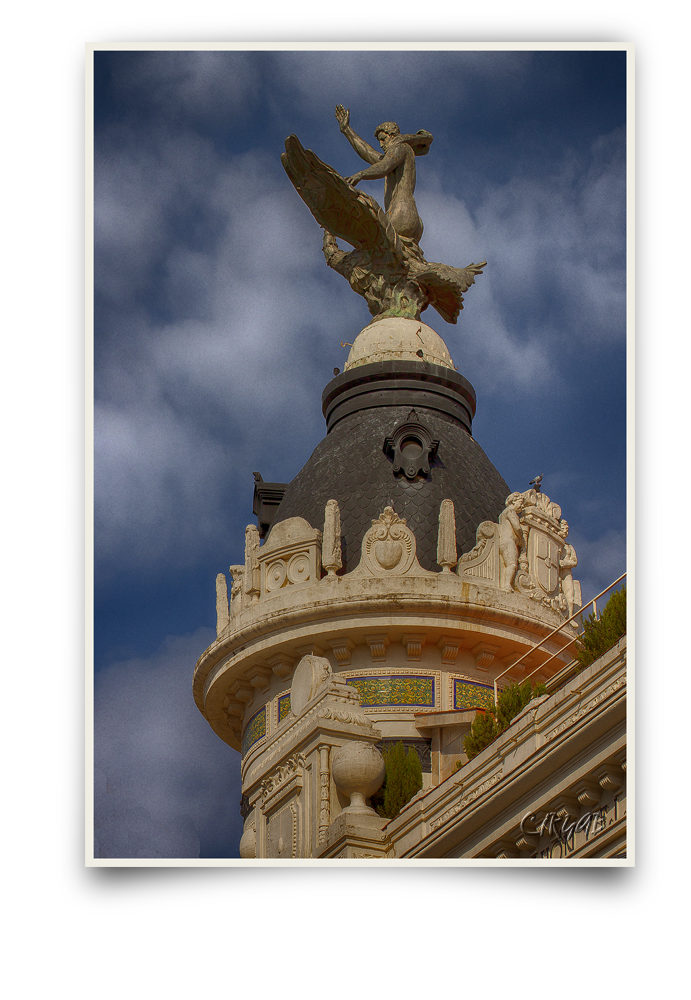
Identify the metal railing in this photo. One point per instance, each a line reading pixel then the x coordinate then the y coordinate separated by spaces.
pixel 537 645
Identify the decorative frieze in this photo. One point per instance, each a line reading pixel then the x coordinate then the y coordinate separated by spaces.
pixel 465 801
pixel 255 730
pixel 588 706
pixel 566 807
pixel 395 690
pixel 471 694
pixel 283 774
pixel 282 707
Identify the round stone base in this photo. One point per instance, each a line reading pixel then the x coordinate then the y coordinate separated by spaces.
pixel 397 339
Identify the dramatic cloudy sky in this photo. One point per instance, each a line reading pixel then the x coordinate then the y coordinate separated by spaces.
pixel 217 325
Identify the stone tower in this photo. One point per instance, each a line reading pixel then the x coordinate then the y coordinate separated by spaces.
pixel 383 591
pixel 396 584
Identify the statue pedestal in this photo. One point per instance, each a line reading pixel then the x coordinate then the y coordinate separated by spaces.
pixel 398 339
pixel 355 835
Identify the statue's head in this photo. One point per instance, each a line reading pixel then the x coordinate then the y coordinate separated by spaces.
pixel 385 132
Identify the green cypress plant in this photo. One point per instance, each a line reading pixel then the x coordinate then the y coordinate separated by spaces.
pixel 483 730
pixel 510 702
pixel 513 699
pixel 403 779
pixel 601 634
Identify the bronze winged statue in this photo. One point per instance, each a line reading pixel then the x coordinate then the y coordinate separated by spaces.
pixel 387 266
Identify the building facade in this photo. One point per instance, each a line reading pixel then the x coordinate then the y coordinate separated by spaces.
pixel 384 592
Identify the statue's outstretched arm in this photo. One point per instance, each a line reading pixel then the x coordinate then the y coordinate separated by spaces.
pixel 362 148
pixel 391 159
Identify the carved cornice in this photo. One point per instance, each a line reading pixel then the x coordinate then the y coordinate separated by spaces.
pixel 611 689
pixel 280 779
pixel 465 801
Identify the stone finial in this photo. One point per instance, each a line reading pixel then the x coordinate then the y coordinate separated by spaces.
pixel 331 543
pixel 358 770
pixel 250 583
pixel 222 607
pixel 446 540
pixel 237 573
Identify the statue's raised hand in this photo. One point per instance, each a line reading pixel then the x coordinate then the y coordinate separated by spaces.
pixel 342 116
pixel 355 178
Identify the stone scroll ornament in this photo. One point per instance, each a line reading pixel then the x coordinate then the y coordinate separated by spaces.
pixel 386 266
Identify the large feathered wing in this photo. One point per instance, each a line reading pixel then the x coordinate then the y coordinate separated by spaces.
pixel 349 214
pixel 445 285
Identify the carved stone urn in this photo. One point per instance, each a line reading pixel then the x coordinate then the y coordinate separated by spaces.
pixel 358 770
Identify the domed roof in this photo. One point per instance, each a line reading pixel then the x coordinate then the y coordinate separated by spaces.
pixel 398 339
pixel 379 415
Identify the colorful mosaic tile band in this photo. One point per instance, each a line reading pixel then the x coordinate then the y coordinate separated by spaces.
pixel 468 694
pixel 255 730
pixel 394 690
pixel 283 706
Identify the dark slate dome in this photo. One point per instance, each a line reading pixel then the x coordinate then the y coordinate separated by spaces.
pixel 396 413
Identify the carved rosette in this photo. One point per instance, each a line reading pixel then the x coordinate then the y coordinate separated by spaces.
pixel 290 556
pixel 283 571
